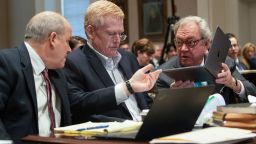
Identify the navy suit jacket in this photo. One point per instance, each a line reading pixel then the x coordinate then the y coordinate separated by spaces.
pixel 230 97
pixel 90 85
pixel 18 102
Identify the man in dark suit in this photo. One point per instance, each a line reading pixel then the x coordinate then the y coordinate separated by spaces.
pixel 101 74
pixel 23 94
pixel 192 39
pixel 32 102
pixel 234 51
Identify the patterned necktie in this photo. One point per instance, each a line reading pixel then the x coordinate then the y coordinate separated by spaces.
pixel 49 99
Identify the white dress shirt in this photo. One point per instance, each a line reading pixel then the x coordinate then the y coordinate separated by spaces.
pixel 111 66
pixel 43 116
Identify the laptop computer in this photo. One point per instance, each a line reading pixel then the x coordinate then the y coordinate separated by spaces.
pixel 173 111
pixel 217 55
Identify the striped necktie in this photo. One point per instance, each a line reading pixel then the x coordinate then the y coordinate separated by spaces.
pixel 49 99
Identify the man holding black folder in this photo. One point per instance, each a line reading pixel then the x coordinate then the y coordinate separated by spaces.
pixel 192 40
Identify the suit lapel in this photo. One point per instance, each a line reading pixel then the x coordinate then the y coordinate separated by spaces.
pixel 127 73
pixel 57 82
pixel 100 70
pixel 98 67
pixel 59 85
pixel 28 73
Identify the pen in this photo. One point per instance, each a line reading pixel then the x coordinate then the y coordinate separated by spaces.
pixel 94 127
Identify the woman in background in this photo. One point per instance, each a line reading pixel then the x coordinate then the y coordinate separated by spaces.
pixel 248 52
pixel 143 50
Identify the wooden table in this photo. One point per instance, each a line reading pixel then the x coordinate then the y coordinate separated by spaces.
pixel 55 140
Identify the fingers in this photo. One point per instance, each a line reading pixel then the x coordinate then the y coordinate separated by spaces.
pixel 144 81
pixel 147 68
pixel 224 77
pixel 155 73
pixel 153 76
pixel 223 71
pixel 182 84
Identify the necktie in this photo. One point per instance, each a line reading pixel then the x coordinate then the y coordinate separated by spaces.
pixel 239 67
pixel 49 98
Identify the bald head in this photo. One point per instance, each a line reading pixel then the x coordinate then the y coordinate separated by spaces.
pixel 41 25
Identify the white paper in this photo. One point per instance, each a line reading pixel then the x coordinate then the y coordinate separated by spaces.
pixel 208 135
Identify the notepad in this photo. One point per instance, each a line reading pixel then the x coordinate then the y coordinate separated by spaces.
pixel 98 128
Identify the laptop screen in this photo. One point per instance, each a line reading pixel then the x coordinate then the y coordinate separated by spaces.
pixel 174 111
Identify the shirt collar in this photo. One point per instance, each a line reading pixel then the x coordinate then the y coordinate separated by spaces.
pixel 109 63
pixel 202 63
pixel 36 61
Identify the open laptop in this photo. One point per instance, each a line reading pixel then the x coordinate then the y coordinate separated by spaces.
pixel 173 111
pixel 217 55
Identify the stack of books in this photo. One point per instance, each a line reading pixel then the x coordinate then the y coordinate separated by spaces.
pixel 241 115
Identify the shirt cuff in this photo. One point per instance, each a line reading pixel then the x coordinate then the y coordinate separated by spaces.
pixel 120 93
pixel 242 92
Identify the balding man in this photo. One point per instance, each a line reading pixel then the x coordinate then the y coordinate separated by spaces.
pixel 33 90
pixel 24 91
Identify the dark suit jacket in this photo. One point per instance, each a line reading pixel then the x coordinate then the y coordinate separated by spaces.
pixel 89 81
pixel 230 97
pixel 18 103
pixel 252 62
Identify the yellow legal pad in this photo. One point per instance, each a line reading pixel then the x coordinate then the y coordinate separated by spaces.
pixel 98 128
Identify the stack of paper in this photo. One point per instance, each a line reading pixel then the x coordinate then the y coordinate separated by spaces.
pixel 249 108
pixel 208 135
pixel 96 129
pixel 241 115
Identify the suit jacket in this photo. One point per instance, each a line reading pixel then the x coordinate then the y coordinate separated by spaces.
pixel 18 102
pixel 230 97
pixel 252 62
pixel 89 80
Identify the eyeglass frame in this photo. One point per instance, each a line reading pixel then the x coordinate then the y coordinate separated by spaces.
pixel 187 43
pixel 122 36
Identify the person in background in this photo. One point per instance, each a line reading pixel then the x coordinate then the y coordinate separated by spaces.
pixel 248 52
pixel 143 49
pixel 157 55
pixel 25 102
pixel 125 46
pixel 76 42
pixel 234 52
pixel 171 51
pixel 252 62
pixel 192 40
pixel 102 74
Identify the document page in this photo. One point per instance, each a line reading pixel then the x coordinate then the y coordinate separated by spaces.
pixel 99 128
pixel 208 135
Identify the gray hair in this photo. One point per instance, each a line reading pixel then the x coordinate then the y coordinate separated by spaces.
pixel 202 24
pixel 41 25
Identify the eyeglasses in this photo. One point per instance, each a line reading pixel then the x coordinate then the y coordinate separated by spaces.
pixel 189 43
pixel 112 35
pixel 122 36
